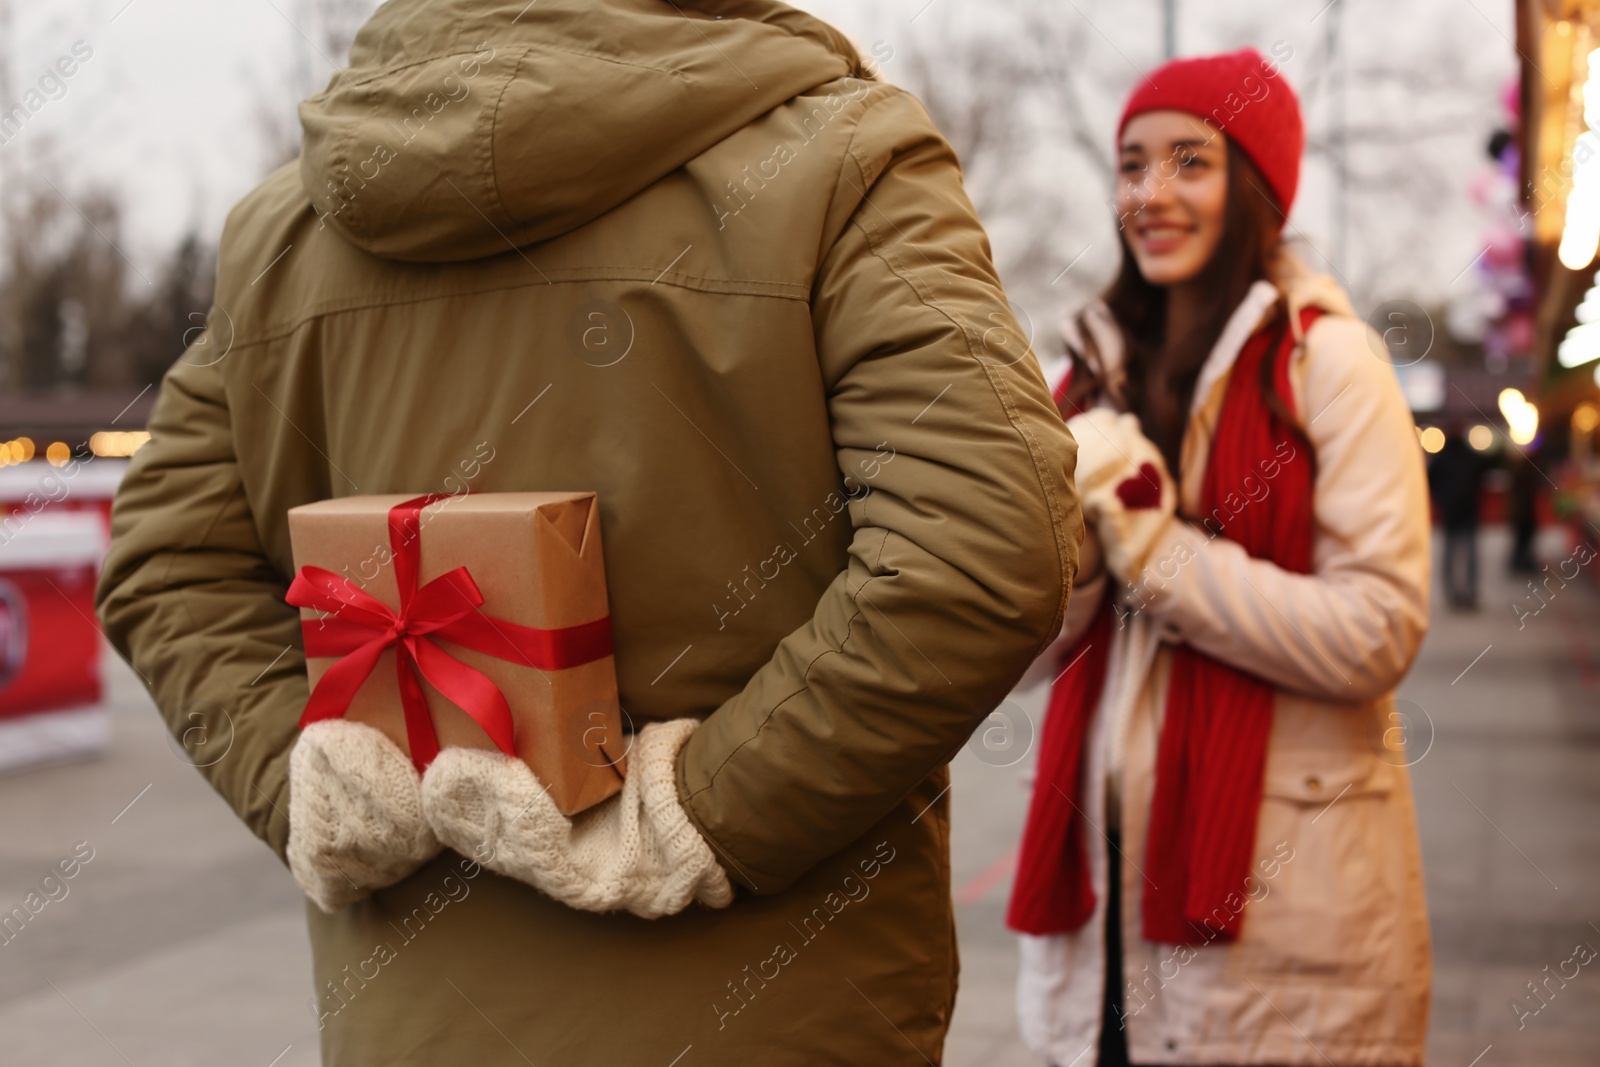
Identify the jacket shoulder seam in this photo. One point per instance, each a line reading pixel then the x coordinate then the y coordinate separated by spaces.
pixel 774 290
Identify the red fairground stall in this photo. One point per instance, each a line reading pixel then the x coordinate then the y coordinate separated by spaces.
pixel 54 528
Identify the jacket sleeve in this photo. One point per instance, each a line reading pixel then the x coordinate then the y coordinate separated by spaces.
pixel 1081 610
pixel 961 554
pixel 188 597
pixel 1350 629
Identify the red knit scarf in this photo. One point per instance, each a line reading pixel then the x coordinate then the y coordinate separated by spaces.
pixel 1213 745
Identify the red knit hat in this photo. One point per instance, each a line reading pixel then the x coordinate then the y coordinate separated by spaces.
pixel 1244 96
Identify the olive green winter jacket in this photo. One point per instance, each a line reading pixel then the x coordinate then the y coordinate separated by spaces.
pixel 690 258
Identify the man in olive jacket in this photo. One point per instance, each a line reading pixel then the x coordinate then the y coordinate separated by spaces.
pixel 693 258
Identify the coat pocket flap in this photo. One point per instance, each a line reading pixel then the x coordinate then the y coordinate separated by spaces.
pixel 1323 777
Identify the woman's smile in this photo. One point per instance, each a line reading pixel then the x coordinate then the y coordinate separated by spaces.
pixel 1163 237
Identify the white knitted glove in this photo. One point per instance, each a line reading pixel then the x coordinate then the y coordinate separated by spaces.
pixel 636 851
pixel 355 813
pixel 1123 487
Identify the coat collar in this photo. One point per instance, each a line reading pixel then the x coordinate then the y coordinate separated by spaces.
pixel 1293 282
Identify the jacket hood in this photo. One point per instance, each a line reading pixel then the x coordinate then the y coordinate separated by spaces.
pixel 464 128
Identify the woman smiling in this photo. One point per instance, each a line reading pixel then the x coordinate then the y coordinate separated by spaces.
pixel 1220 863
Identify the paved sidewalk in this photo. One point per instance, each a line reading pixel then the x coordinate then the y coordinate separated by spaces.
pixel 181 941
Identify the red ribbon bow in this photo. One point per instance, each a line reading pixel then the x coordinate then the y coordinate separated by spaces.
pixel 359 627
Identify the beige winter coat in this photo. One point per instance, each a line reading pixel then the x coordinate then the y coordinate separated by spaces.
pixel 1334 961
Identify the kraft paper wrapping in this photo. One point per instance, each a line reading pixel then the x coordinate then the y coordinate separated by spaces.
pixel 536 557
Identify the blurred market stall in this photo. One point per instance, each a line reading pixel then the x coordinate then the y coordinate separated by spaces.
pixel 1557 148
pixel 54 527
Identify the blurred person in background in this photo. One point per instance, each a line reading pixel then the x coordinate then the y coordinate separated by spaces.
pixel 836 503
pixel 1220 863
pixel 1455 478
pixel 1522 504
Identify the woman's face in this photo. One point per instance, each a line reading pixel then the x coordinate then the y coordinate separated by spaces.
pixel 1172 194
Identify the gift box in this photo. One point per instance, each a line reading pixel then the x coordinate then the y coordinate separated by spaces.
pixel 476 620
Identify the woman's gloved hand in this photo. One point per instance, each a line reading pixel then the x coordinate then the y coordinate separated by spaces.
pixel 636 851
pixel 355 813
pixel 1124 488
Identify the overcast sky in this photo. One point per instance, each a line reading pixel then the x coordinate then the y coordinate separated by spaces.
pixel 161 109
pixel 164 108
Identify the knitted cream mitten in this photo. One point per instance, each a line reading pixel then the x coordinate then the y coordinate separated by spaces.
pixel 355 813
pixel 1124 488
pixel 636 851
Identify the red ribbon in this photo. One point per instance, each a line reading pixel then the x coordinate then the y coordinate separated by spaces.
pixel 359 627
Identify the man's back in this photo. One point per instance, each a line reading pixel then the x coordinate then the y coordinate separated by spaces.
pixel 694 265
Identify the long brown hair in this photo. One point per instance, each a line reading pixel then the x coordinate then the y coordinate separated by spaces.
pixel 1161 372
